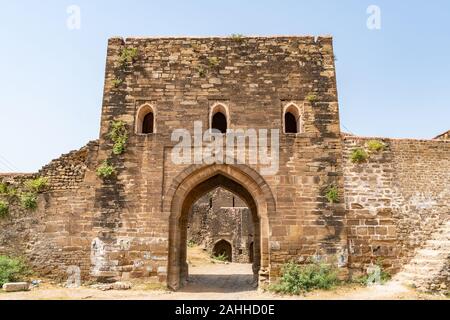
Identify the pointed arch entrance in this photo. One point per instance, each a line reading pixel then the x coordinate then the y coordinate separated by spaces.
pixel 194 182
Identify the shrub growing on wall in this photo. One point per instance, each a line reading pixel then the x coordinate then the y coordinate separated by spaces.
pixel 36 185
pixel 311 98
pixel 375 146
pixel 119 135
pixel 127 55
pixel 3 188
pixel 28 200
pixel 359 155
pixel 332 194
pixel 105 170
pixel 4 209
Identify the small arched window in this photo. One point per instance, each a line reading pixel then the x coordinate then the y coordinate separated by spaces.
pixel 145 121
pixel 293 121
pixel 290 123
pixel 147 125
pixel 219 118
pixel 219 122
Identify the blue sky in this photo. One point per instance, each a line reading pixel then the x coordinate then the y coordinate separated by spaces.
pixel 392 82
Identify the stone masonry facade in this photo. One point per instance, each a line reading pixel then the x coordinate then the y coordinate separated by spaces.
pixel 134 224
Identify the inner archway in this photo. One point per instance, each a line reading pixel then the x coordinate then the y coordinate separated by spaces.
pixel 223 249
pixel 194 184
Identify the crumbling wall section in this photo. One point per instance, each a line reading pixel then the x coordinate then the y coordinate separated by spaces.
pixel 395 199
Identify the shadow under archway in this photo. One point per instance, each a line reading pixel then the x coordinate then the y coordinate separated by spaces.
pixel 188 194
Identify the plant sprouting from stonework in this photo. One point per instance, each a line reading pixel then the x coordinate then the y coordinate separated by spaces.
pixel 221 257
pixel 127 55
pixel 332 194
pixel 237 37
pixel 117 82
pixel 201 72
pixel 36 185
pixel 4 209
pixel 105 170
pixel 28 200
pixel 7 190
pixel 119 135
pixel 4 188
pixel 359 155
pixel 311 97
pixel 191 243
pixel 213 61
pixel 375 146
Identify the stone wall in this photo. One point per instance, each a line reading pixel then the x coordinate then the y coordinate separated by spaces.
pixel 67 172
pixel 396 199
pixel 133 224
pixel 256 78
pixel 56 235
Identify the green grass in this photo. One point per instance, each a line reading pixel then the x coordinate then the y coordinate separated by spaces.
pixel 298 279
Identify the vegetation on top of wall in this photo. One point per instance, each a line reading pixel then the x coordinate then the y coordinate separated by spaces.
pixel 26 194
pixel 237 37
pixel 12 270
pixel 359 155
pixel 127 55
pixel 311 97
pixel 7 190
pixel 375 146
pixel 4 209
pixel 119 135
pixel 297 279
pixel 36 185
pixel 332 194
pixel 105 170
pixel 28 200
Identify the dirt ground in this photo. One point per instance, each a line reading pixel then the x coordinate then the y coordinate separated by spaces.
pixel 211 280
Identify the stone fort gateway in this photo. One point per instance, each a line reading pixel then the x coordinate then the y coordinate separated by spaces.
pixel 121 207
